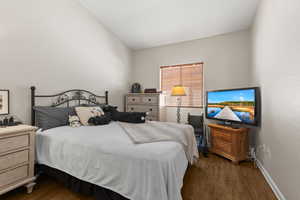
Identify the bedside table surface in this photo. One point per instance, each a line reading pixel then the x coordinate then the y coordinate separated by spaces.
pixel 228 128
pixel 15 129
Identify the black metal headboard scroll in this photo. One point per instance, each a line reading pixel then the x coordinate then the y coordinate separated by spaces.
pixel 65 98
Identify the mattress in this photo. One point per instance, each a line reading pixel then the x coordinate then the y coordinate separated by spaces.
pixel 105 156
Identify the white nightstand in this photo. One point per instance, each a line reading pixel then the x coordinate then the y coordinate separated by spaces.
pixel 17 144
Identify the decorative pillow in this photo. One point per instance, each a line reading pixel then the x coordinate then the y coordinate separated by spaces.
pixel 85 113
pixel 47 117
pixel 74 121
pixel 109 108
pixel 130 117
pixel 100 120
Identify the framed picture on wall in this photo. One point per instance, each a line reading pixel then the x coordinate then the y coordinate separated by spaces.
pixel 4 102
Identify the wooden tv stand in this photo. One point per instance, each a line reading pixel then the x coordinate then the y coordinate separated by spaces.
pixel 231 143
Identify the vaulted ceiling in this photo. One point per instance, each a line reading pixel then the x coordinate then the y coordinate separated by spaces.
pixel 149 23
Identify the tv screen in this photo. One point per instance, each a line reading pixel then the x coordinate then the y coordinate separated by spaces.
pixel 235 105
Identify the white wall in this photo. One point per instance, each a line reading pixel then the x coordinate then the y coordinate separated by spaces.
pixel 276 69
pixel 227 60
pixel 57 45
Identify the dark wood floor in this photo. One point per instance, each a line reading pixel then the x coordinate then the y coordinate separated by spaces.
pixel 215 178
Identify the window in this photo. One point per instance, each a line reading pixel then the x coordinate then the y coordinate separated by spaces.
pixel 190 76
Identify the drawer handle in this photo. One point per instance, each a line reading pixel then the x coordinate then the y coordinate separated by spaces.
pixel 133 99
pixel 132 108
pixel 149 99
pixel 150 109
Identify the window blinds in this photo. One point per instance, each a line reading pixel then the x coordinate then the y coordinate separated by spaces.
pixel 190 76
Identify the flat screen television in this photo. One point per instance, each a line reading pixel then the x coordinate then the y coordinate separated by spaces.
pixel 234 105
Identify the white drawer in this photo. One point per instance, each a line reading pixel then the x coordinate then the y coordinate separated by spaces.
pixel 14 159
pixel 133 99
pixel 11 143
pixel 13 175
pixel 135 108
pixel 152 110
pixel 150 100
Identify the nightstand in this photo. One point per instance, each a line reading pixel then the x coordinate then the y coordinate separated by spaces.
pixel 231 143
pixel 17 144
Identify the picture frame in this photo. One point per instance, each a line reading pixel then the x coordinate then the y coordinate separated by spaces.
pixel 4 102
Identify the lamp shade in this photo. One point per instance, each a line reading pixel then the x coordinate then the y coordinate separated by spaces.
pixel 178 90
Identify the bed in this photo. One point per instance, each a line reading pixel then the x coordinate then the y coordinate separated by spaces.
pixel 104 162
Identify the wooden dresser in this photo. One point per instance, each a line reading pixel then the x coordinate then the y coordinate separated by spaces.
pixel 229 142
pixel 17 144
pixel 153 103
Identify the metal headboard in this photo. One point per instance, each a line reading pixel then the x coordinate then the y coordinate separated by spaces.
pixel 65 98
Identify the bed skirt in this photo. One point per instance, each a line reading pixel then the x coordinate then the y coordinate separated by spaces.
pixel 79 186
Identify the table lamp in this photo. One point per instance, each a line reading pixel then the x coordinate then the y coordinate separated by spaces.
pixel 178 91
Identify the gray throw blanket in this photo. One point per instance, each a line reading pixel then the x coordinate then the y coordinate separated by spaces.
pixel 164 131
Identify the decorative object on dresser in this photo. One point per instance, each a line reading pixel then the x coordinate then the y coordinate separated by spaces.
pixel 231 143
pixel 4 102
pixel 178 91
pixel 136 88
pixel 9 120
pixel 152 103
pixel 150 90
pixel 17 145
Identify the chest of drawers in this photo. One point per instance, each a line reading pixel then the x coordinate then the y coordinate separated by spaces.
pixel 229 142
pixel 17 145
pixel 152 103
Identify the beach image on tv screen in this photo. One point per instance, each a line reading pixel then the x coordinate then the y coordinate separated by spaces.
pixel 233 105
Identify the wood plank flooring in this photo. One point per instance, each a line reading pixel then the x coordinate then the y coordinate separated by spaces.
pixel 214 178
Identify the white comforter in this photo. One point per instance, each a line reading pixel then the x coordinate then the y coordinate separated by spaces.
pixel 153 131
pixel 105 156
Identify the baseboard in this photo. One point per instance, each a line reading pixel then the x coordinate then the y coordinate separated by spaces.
pixel 270 181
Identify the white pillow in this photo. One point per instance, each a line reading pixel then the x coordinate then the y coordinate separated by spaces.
pixel 85 113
